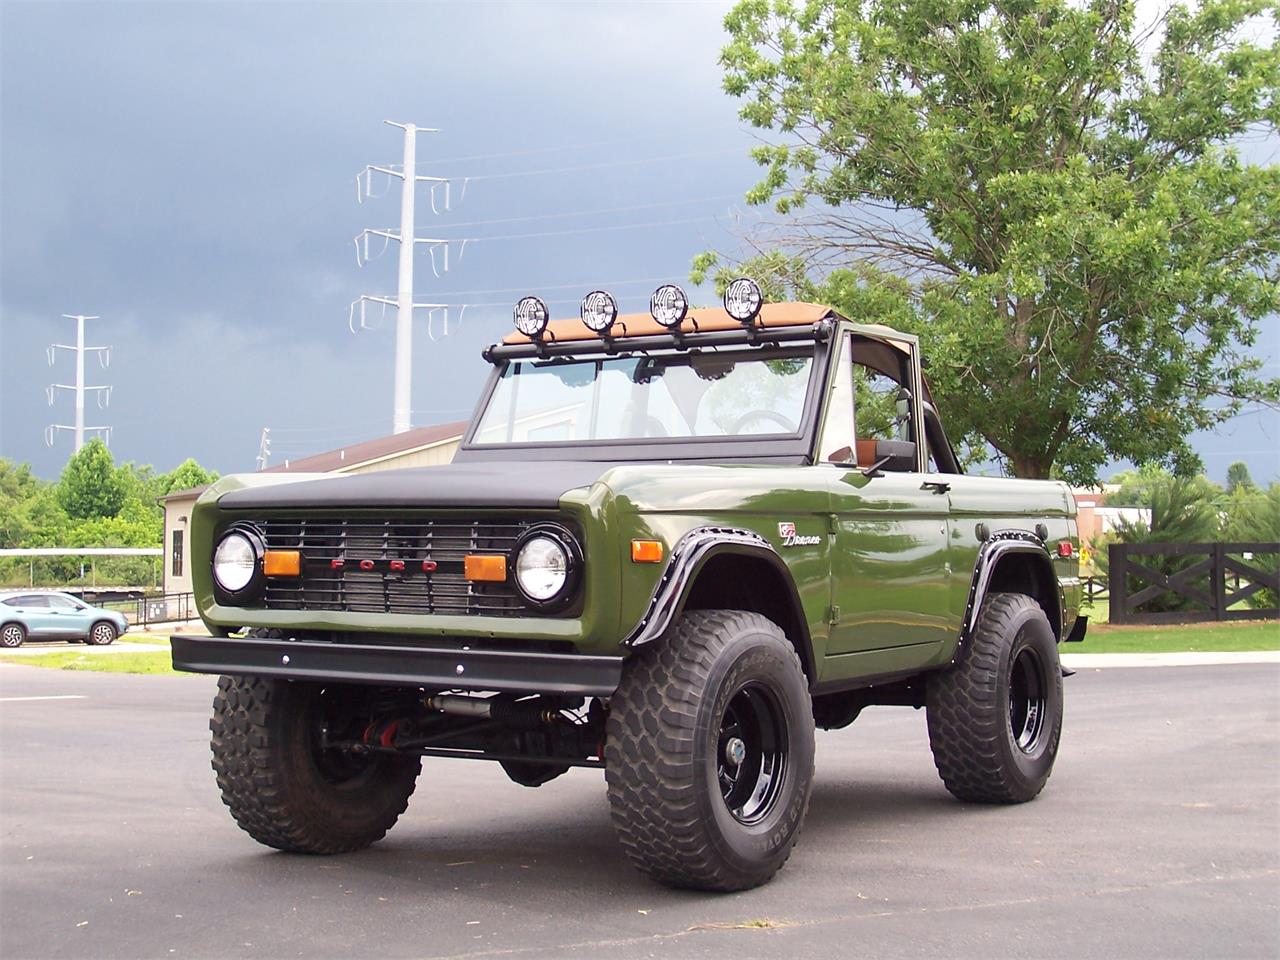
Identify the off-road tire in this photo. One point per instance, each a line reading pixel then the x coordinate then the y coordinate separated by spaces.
pixel 971 726
pixel 662 750
pixel 265 761
pixel 13 635
pixel 101 634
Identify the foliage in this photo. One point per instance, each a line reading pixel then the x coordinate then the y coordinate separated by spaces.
pixel 1238 477
pixel 1253 515
pixel 90 485
pixel 1181 512
pixel 1063 219
pixel 1137 488
pixel 93 504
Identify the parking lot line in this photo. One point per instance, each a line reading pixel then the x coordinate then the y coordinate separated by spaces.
pixel 65 696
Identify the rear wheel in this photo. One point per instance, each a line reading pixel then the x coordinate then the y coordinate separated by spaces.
pixel 283 787
pixel 101 634
pixel 709 752
pixel 13 635
pixel 995 719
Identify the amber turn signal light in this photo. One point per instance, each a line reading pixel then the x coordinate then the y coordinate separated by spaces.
pixel 479 566
pixel 646 551
pixel 282 563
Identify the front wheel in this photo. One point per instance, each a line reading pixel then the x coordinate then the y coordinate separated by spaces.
pixel 13 635
pixel 995 719
pixel 284 788
pixel 101 634
pixel 709 752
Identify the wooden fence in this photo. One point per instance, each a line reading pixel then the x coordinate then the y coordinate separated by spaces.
pixel 1206 580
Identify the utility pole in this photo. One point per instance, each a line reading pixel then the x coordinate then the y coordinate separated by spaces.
pixel 103 393
pixel 403 302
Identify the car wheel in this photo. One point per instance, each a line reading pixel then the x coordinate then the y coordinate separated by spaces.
pixel 13 635
pixel 995 718
pixel 282 787
pixel 101 634
pixel 709 752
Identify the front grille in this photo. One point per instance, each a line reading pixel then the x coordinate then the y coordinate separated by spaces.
pixel 442 541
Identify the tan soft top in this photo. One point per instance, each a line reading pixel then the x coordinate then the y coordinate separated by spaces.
pixel 792 314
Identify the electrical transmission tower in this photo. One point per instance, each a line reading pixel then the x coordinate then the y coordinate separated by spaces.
pixel 264 448
pixel 103 393
pixel 403 301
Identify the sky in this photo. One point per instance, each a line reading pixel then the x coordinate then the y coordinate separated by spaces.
pixel 186 171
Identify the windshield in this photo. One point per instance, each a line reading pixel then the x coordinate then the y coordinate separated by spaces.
pixel 706 394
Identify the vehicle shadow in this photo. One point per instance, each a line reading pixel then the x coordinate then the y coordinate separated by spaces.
pixel 568 849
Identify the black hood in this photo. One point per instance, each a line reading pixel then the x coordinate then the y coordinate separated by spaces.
pixel 481 484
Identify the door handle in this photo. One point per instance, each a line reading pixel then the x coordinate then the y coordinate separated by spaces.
pixel 937 486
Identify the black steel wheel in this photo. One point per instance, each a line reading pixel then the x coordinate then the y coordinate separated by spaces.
pixel 101 633
pixel 995 719
pixel 751 753
pixel 284 787
pixel 13 635
pixel 709 752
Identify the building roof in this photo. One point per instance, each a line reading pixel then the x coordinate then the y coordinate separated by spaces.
pixel 370 450
pixel 792 314
pixel 189 494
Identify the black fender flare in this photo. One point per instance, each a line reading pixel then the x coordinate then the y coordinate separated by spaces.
pixel 998 545
pixel 690 554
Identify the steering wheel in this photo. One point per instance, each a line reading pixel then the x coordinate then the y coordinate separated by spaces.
pixel 771 415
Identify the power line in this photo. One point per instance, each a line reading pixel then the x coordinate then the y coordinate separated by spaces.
pixel 602 166
pixel 599 211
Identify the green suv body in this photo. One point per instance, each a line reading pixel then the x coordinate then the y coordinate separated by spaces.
pixel 702 538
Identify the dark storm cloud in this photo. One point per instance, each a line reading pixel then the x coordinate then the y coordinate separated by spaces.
pixel 186 171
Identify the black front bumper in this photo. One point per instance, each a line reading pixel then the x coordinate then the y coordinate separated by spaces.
pixel 439 668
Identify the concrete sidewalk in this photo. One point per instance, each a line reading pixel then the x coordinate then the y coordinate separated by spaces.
pixel 1090 661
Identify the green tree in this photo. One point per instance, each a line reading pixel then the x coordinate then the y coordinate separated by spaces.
pixel 1238 477
pixel 1063 220
pixel 184 476
pixel 90 485
pixel 1252 515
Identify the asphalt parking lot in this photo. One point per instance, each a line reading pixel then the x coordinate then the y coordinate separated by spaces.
pixel 1158 836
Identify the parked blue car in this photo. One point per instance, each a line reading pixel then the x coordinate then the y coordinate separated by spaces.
pixel 56 616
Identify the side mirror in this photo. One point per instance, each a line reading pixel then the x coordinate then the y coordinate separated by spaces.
pixel 897 455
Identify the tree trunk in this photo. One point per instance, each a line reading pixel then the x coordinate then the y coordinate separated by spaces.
pixel 1030 466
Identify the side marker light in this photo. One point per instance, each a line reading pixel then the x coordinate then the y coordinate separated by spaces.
pixel 646 551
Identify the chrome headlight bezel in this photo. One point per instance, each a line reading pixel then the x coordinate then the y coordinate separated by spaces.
pixel 568 543
pixel 253 586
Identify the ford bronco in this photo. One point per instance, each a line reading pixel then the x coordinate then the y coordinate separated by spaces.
pixel 669 546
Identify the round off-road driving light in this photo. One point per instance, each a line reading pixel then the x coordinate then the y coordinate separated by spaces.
pixel 668 305
pixel 742 300
pixel 531 317
pixel 599 311
pixel 235 562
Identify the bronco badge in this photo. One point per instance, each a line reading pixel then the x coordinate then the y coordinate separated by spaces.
pixel 787 531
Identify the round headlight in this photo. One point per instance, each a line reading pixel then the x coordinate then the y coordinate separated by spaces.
pixel 548 566
pixel 542 568
pixel 599 311
pixel 531 317
pixel 668 305
pixel 235 561
pixel 742 300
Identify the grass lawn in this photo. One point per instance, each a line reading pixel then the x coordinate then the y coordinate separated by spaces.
pixel 1180 638
pixel 160 638
pixel 143 661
